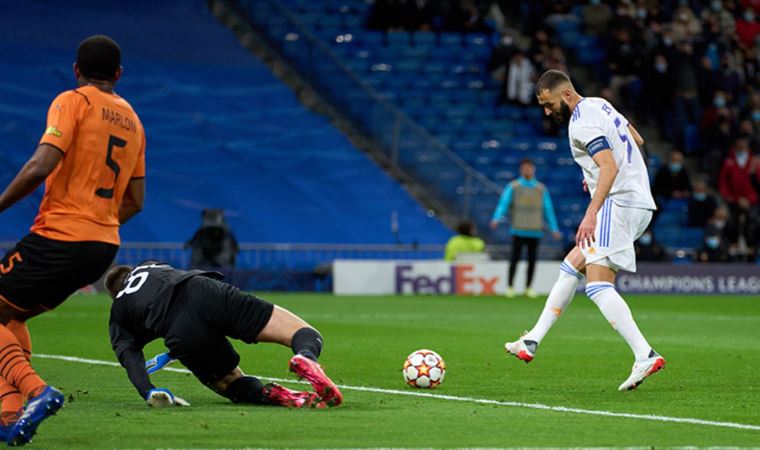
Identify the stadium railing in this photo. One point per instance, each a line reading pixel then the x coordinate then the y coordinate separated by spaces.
pixel 270 256
pixel 407 145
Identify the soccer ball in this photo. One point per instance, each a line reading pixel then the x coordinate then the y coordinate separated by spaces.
pixel 424 369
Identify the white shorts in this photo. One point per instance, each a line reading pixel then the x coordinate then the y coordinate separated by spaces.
pixel 617 227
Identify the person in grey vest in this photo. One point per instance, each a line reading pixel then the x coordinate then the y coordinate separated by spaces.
pixel 529 206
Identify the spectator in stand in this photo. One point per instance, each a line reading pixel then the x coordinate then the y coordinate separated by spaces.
pixel 501 55
pixel 540 47
pixel 673 180
pixel 752 111
pixel 686 108
pixel 410 15
pixel 714 246
pixel 714 249
pixel 737 189
pixel 520 80
pixel 686 26
pixel 466 16
pixel 624 62
pixel 752 132
pixel 702 205
pixel 658 93
pixel 747 27
pixel 728 80
pixel 648 249
pixel 465 242
pixel 722 17
pixel 596 17
pixel 717 132
pixel 418 15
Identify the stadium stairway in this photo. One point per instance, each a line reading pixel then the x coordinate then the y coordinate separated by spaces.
pixel 439 80
pixel 222 131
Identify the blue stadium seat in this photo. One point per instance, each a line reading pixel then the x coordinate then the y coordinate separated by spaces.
pixel 222 130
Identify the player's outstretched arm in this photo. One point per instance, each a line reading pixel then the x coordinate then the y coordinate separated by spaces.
pixel 132 203
pixel 34 172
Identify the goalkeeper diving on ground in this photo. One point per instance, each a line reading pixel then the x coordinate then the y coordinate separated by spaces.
pixel 195 313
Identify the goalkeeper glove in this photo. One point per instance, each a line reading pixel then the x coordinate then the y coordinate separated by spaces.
pixel 161 397
pixel 158 362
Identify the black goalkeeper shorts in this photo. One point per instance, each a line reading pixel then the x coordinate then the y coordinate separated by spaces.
pixel 206 312
pixel 42 272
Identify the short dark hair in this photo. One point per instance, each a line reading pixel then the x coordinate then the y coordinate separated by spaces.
pixel 99 58
pixel 115 279
pixel 466 228
pixel 527 161
pixel 551 79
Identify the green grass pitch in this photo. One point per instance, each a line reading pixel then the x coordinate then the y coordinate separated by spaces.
pixel 712 345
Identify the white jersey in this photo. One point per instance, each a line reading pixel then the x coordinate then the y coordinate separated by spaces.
pixel 594 126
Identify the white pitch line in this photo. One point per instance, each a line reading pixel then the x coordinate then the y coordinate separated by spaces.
pixel 482 401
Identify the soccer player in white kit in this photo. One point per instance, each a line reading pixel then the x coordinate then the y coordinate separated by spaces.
pixel 606 147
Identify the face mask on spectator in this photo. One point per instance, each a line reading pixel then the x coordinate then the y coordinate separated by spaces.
pixel 700 196
pixel 661 67
pixel 596 2
pixel 642 13
pixel 668 41
pixel 741 157
pixel 718 223
pixel 712 242
pixel 756 115
pixel 716 5
pixel 645 239
pixel 683 17
pixel 749 16
pixel 719 102
pixel 506 41
pixel 675 167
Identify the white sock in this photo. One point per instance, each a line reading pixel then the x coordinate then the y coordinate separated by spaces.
pixel 618 314
pixel 559 298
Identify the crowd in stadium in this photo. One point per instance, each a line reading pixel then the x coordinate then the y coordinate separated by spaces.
pixel 687 67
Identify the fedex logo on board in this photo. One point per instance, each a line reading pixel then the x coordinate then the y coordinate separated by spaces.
pixel 461 280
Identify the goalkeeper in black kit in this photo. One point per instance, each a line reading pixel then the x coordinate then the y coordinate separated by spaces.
pixel 195 312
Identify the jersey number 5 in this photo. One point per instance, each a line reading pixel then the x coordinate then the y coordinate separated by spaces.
pixel 113 141
pixel 624 137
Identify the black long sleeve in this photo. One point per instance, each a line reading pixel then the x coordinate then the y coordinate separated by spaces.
pixel 134 361
pixel 128 349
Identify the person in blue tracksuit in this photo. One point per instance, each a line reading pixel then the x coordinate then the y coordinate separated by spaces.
pixel 529 205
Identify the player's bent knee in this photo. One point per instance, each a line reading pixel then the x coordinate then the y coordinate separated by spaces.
pixel 245 389
pixel 221 385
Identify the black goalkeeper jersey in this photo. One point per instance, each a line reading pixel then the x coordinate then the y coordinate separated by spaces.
pixel 141 312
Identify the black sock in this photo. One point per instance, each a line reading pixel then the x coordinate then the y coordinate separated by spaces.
pixel 246 390
pixel 307 342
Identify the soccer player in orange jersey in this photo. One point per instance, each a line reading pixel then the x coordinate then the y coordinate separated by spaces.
pixel 92 159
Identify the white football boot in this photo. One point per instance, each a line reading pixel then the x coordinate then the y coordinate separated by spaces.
pixel 642 369
pixel 522 349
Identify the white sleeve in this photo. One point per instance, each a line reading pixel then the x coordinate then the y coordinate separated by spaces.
pixel 588 131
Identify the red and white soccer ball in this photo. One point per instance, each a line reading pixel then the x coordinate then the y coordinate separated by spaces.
pixel 424 369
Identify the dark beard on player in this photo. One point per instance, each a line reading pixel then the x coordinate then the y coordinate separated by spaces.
pixel 563 116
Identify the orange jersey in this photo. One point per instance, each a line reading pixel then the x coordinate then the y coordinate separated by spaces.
pixel 103 146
